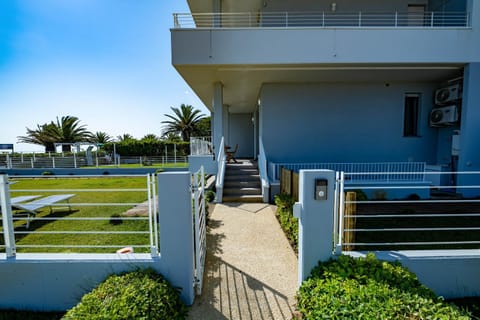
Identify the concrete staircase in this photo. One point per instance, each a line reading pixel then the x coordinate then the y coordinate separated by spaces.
pixel 242 182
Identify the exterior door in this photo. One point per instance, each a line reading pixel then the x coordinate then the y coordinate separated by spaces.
pixel 416 15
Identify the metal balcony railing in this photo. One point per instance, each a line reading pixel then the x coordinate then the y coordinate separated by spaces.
pixel 322 20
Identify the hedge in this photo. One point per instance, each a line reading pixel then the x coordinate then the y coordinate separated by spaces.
pixel 141 294
pixel 366 288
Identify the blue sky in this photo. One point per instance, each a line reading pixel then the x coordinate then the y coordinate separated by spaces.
pixel 105 61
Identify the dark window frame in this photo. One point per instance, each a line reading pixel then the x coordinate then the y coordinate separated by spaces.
pixel 411 114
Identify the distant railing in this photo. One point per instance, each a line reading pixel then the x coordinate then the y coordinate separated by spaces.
pixel 200 146
pixel 368 171
pixel 447 219
pixel 121 220
pixel 322 19
pixel 55 161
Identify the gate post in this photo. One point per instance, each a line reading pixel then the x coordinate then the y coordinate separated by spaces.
pixel 176 231
pixel 316 219
pixel 7 220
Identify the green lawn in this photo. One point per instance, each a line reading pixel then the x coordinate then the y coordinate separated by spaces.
pixel 42 186
pixel 136 165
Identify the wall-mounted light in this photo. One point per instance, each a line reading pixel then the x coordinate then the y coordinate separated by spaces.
pixel 334 6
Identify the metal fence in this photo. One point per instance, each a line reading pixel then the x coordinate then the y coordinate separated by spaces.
pixel 322 19
pixel 367 171
pixel 53 161
pixel 201 146
pixel 103 214
pixel 448 219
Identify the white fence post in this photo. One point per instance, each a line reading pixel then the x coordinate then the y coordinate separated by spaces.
pixel 176 230
pixel 316 219
pixel 7 221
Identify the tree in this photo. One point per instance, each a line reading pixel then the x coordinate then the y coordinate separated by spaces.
pixel 183 122
pixel 68 130
pixel 100 137
pixel 65 130
pixel 204 127
pixel 125 137
pixel 149 138
pixel 42 135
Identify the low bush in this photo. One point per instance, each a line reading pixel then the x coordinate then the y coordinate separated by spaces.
pixel 209 195
pixel 141 294
pixel 366 288
pixel 285 216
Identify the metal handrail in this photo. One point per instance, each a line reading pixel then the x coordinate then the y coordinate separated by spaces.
pixel 262 169
pixel 428 19
pixel 221 162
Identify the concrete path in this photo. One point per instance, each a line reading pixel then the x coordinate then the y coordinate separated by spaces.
pixel 251 270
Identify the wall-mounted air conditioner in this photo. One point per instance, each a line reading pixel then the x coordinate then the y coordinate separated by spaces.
pixel 448 94
pixel 444 116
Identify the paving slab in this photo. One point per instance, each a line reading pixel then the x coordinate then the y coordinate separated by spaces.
pixel 251 270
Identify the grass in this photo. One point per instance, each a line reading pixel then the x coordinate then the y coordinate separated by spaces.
pixel 72 185
pixel 136 165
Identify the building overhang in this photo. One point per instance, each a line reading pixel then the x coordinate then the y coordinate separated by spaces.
pixel 242 83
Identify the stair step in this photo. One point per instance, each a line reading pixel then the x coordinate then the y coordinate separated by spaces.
pixel 245 198
pixel 242 191
pixel 242 178
pixel 241 172
pixel 255 183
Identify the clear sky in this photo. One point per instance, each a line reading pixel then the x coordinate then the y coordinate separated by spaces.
pixel 107 62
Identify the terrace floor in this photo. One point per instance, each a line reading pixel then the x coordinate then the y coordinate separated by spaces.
pixel 251 270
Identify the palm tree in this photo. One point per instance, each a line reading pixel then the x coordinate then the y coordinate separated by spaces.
pixel 149 138
pixel 42 135
pixel 68 130
pixel 184 121
pixel 125 137
pixel 100 137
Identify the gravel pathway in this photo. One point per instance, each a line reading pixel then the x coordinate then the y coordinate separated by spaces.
pixel 251 270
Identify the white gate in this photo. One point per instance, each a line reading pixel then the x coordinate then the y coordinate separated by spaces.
pixel 200 230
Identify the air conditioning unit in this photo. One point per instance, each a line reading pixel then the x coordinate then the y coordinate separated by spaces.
pixel 448 94
pixel 444 116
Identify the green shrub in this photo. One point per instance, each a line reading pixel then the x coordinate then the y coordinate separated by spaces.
pixel 367 288
pixel 285 216
pixel 141 294
pixel 209 195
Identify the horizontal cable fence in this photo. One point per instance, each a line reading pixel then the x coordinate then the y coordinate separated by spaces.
pixel 448 217
pixel 437 19
pixel 54 161
pixel 361 171
pixel 79 214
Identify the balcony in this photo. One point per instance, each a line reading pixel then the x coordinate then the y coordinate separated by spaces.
pixel 322 20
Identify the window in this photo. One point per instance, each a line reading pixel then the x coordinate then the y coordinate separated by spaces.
pixel 410 115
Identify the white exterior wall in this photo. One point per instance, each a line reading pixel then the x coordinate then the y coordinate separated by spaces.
pixel 327 46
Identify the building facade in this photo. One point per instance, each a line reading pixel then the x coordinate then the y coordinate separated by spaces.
pixel 338 81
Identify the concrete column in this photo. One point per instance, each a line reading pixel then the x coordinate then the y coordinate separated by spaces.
pixel 217 8
pixel 315 228
pixel 176 231
pixel 469 156
pixel 217 128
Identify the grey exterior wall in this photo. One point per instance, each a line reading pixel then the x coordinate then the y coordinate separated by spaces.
pixel 343 5
pixel 341 122
pixel 241 133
